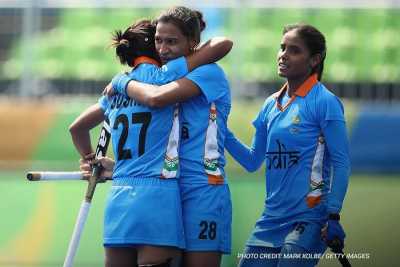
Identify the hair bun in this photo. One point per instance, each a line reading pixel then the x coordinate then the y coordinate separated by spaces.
pixel 202 23
pixel 123 42
pixel 122 47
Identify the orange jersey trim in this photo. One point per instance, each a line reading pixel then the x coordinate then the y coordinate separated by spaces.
pixel 302 91
pixel 313 201
pixel 215 179
pixel 307 86
pixel 144 59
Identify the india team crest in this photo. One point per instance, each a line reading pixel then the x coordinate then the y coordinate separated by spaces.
pixel 213 113
pixel 171 164
pixel 296 119
pixel 211 165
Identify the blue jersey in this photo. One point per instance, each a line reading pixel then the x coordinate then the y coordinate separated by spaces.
pixel 301 138
pixel 204 124
pixel 145 140
pixel 298 163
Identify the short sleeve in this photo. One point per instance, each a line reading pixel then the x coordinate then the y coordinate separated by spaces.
pixel 104 103
pixel 211 80
pixel 261 120
pixel 173 70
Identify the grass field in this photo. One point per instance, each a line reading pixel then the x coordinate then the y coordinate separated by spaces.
pixel 37 218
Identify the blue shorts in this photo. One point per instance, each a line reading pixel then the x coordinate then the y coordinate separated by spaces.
pixel 207 217
pixel 143 211
pixel 303 247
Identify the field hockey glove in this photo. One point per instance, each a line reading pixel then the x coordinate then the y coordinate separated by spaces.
pixel 335 234
pixel 120 82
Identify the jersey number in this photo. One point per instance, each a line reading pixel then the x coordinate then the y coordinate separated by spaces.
pixel 141 117
pixel 208 230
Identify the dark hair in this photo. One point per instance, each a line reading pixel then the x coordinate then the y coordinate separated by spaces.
pixel 136 41
pixel 314 40
pixel 189 22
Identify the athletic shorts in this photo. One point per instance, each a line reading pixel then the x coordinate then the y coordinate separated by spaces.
pixel 302 247
pixel 207 217
pixel 308 236
pixel 143 211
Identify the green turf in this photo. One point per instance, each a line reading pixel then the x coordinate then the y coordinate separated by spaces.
pixel 56 147
pixel 14 200
pixel 369 218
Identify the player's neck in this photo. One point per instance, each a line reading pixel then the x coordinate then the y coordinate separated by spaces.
pixel 294 84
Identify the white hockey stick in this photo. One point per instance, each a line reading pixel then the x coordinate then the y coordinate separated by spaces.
pixel 55 176
pixel 101 150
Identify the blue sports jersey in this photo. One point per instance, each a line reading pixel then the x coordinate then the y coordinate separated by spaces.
pixel 204 124
pixel 145 140
pixel 301 140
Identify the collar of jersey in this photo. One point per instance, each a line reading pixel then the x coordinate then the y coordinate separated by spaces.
pixel 302 91
pixel 144 59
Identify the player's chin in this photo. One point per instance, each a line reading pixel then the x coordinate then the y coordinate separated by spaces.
pixel 164 60
pixel 282 74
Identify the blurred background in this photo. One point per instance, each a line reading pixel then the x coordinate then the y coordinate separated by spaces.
pixel 55 61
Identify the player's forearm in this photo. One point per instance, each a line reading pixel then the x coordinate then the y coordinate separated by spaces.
pixel 338 190
pixel 146 94
pixel 250 158
pixel 80 128
pixel 82 142
pixel 161 96
pixel 337 144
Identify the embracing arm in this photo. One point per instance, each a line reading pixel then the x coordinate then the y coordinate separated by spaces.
pixel 250 158
pixel 172 92
pixel 209 52
pixel 336 139
pixel 161 96
pixel 81 127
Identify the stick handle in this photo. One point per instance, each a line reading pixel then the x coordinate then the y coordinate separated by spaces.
pixel 76 235
pixel 343 259
pixel 336 248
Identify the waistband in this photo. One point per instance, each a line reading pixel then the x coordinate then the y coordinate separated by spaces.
pixel 147 181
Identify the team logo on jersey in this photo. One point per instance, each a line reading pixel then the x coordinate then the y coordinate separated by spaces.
pixel 171 164
pixel 282 158
pixel 296 119
pixel 213 114
pixel 170 167
pixel 211 164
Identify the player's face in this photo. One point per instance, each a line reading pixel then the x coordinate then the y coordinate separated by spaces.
pixel 294 62
pixel 170 42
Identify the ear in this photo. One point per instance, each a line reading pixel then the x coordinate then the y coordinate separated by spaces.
pixel 192 44
pixel 315 60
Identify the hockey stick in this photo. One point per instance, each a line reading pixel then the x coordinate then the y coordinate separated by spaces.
pixel 56 176
pixel 101 150
pixel 336 248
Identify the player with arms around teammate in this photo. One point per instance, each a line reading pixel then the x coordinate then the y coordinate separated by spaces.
pixel 205 102
pixel 143 220
pixel 301 133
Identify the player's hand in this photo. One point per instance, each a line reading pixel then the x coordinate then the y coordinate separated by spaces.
pixel 108 90
pixel 86 167
pixel 334 235
pixel 120 82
